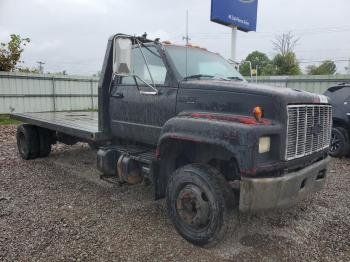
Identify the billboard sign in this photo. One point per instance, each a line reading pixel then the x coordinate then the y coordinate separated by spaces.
pixel 239 13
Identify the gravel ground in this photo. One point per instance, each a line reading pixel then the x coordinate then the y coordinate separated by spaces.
pixel 57 208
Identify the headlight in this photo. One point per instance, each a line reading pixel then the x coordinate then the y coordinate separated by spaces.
pixel 264 144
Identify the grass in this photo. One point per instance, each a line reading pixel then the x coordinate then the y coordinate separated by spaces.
pixel 6 120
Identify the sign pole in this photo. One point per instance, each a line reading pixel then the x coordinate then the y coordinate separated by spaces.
pixel 233 43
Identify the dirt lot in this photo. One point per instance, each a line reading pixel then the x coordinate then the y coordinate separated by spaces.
pixel 58 209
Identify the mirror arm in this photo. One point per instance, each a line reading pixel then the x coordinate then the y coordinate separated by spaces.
pixel 136 83
pixel 148 93
pixel 144 58
pixel 155 92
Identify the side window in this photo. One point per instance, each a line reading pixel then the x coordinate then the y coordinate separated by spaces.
pixel 155 65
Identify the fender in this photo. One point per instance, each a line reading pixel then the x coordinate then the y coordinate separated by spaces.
pixel 337 121
pixel 237 134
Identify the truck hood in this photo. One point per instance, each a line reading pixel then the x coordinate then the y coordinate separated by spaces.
pixel 285 95
pixel 235 97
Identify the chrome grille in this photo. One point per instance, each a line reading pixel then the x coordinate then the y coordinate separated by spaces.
pixel 308 129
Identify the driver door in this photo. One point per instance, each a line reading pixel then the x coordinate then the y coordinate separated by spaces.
pixel 138 116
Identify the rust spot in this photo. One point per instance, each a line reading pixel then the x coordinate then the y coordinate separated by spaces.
pixel 236 119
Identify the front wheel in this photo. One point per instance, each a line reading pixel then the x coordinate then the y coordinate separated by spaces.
pixel 198 201
pixel 339 146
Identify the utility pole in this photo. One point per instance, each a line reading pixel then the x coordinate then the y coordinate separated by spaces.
pixel 41 68
pixel 187 38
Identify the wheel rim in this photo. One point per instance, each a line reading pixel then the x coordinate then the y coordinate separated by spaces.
pixel 335 143
pixel 22 145
pixel 193 207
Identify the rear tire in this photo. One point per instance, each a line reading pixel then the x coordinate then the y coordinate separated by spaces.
pixel 339 146
pixel 199 201
pixel 27 141
pixel 45 141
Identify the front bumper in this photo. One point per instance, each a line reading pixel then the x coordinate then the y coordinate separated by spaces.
pixel 258 194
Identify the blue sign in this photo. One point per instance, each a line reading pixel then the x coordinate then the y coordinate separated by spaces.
pixel 239 13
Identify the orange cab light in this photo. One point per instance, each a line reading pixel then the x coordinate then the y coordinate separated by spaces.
pixel 166 42
pixel 258 113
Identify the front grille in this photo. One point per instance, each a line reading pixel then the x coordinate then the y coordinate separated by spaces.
pixel 308 129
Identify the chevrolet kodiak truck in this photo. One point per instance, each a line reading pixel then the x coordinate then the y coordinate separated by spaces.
pixel 185 120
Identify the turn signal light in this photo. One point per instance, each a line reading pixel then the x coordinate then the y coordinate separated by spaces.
pixel 258 113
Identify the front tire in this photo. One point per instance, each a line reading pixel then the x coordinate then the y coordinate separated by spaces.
pixel 198 201
pixel 339 146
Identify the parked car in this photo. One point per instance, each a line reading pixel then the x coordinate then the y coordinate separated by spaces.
pixel 340 100
pixel 184 119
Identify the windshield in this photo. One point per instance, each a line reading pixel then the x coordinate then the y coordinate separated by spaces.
pixel 197 63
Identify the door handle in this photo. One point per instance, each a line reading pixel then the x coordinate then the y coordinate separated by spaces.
pixel 118 95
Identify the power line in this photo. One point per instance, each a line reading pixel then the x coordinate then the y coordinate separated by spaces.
pixel 306 30
pixel 298 33
pixel 322 50
pixel 321 60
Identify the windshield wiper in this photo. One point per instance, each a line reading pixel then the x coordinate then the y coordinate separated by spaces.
pixel 198 76
pixel 234 78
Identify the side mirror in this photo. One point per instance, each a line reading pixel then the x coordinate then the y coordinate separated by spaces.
pixel 122 56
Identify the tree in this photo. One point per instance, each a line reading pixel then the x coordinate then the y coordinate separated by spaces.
pixel 328 67
pixel 285 61
pixel 285 43
pixel 286 64
pixel 10 53
pixel 260 60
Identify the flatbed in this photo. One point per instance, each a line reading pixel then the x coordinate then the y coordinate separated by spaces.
pixel 82 125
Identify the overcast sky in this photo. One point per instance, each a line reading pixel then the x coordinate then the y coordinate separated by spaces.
pixel 71 35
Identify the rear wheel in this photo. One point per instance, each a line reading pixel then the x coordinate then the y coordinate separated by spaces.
pixel 45 141
pixel 199 200
pixel 27 141
pixel 339 146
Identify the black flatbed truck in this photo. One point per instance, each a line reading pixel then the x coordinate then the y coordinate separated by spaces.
pixel 184 119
